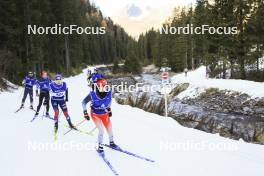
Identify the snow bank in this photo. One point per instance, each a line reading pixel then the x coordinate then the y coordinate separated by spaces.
pixel 198 82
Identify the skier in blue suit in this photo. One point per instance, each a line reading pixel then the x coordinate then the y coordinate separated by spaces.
pixel 59 97
pixel 100 99
pixel 29 81
pixel 43 88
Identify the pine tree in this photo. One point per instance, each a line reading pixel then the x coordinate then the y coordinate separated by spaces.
pixel 56 53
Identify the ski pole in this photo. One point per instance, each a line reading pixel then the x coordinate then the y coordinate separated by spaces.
pixel 75 126
pixel 43 112
pixel 92 130
pixel 21 93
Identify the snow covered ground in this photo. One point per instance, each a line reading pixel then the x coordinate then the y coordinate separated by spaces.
pixel 176 150
pixel 199 82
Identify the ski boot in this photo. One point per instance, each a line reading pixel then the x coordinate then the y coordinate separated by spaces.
pixel 22 106
pixel 100 148
pixel 37 113
pixel 113 145
pixel 56 127
pixel 31 107
pixel 70 124
pixel 47 115
pixel 56 131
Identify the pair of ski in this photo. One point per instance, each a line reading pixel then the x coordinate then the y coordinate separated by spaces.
pixel 102 155
pixel 90 133
pixel 70 129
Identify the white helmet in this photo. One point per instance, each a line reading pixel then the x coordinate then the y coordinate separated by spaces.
pixel 91 70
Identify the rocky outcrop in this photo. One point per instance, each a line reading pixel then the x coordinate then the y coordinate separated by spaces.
pixel 149 102
pixel 229 102
pixel 250 129
pixel 230 114
pixel 178 89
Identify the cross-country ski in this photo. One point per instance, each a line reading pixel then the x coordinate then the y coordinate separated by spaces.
pixel 19 109
pixel 35 117
pixel 117 148
pixel 107 162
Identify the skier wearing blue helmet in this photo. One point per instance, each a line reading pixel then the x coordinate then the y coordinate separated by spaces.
pixel 59 97
pixel 93 76
pixel 28 83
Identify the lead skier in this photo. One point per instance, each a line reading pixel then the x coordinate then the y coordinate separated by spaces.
pixel 100 99
pixel 59 97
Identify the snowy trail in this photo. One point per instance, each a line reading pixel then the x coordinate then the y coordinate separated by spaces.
pixel 137 131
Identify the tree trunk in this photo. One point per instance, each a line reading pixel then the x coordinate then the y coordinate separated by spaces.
pixel 224 70
pixel 231 68
pixel 242 69
pixel 67 54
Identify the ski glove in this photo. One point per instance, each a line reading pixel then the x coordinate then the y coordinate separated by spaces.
pixel 37 93
pixel 23 82
pixel 109 112
pixel 85 115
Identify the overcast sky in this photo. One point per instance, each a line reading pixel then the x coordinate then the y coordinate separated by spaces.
pixel 137 16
